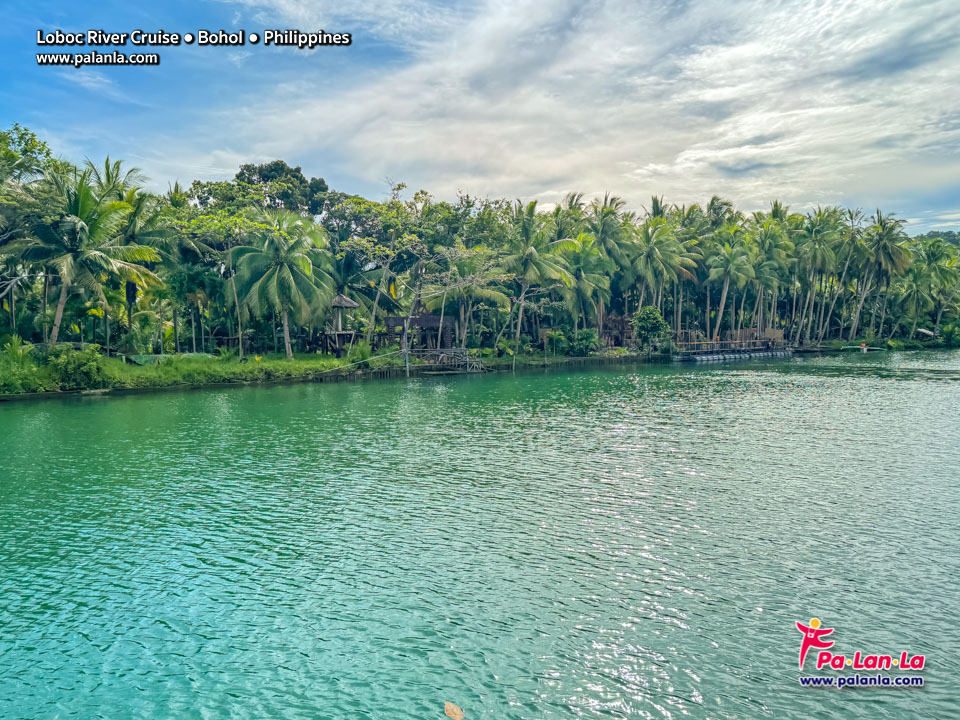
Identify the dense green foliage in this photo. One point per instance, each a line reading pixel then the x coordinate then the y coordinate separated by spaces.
pixel 648 324
pixel 253 264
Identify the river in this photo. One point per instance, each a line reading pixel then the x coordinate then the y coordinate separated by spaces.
pixel 630 542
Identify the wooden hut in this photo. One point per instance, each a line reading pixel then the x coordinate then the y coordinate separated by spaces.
pixel 425 329
pixel 340 303
pixel 338 338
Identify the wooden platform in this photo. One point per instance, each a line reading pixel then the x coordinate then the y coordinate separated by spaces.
pixel 692 350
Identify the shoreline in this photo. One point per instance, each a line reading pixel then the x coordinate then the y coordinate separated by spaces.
pixel 384 373
pixel 328 376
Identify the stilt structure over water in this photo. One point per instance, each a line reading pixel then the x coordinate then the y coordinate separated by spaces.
pixel 717 350
pixel 449 360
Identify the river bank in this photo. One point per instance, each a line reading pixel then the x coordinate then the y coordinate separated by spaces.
pixel 88 373
pixel 111 377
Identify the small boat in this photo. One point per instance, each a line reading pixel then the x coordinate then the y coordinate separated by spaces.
pixel 862 348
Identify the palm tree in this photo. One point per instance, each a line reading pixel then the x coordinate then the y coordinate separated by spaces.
pixel 84 244
pixel 142 225
pixel 730 263
pixel 848 247
pixel 888 254
pixel 532 257
pixel 914 293
pixel 590 280
pixel 816 254
pixel 284 269
pixel 612 229
pixel 469 279
pixel 111 180
pixel 941 260
pixel 659 257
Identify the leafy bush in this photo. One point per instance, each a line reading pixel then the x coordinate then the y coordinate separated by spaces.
pixel 557 342
pixel 360 353
pixel 895 344
pixel 78 369
pixel 950 334
pixel 584 342
pixel 648 324
pixel 17 351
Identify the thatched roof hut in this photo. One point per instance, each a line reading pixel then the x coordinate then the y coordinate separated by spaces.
pixel 340 303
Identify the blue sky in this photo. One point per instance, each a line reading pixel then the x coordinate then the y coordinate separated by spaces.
pixel 853 102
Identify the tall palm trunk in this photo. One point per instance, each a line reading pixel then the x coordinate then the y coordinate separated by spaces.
pixel 516 338
pixel 803 311
pixel 160 325
pixel 823 303
pixel 600 313
pixel 883 315
pixel 176 331
pixel 236 301
pixel 859 307
pixel 376 303
pixel 707 288
pixel 466 323
pixel 723 301
pixel 825 328
pixel 506 323
pixel 58 318
pixel 679 310
pixel 943 305
pixel 743 303
pixel 443 307
pixel 130 291
pixel 45 292
pixel 286 334
pixel 757 317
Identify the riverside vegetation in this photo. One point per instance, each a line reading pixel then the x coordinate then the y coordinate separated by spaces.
pixel 234 280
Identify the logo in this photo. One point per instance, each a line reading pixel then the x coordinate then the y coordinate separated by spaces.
pixel 812 637
pixel 815 637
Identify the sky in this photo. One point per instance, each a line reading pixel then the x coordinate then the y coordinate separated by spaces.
pixel 851 102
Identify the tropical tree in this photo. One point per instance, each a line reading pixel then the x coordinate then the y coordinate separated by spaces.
pixel 589 286
pixel 532 257
pixel 731 265
pixel 284 269
pixel 82 244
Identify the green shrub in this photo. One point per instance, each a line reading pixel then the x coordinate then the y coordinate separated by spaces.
pixel 648 324
pixel 22 379
pixel 895 344
pixel 584 342
pixel 360 354
pixel 78 369
pixel 950 334
pixel 557 342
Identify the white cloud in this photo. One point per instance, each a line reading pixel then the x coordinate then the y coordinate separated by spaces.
pixel 843 101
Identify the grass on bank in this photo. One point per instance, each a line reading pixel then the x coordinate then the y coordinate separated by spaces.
pixel 25 369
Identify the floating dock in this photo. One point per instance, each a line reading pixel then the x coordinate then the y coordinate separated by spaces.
pixel 726 350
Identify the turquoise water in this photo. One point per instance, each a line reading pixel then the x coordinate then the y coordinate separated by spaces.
pixel 637 542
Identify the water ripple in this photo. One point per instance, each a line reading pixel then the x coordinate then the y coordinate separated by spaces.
pixel 627 543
